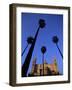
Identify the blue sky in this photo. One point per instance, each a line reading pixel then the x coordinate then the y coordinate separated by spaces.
pixel 54 26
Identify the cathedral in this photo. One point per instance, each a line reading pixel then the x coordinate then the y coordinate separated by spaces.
pixel 44 69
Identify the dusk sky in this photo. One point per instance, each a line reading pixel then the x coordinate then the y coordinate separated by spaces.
pixel 54 27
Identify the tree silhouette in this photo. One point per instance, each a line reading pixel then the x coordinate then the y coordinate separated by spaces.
pixel 29 55
pixel 55 40
pixel 29 41
pixel 43 50
pixel 41 23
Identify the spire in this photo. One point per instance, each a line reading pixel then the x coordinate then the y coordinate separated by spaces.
pixel 33 65
pixel 55 62
pixel 55 66
pixel 45 62
pixel 34 61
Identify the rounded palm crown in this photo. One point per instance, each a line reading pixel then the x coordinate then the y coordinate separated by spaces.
pixel 30 40
pixel 42 23
pixel 43 49
pixel 55 39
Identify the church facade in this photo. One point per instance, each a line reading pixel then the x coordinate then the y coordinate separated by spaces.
pixel 44 69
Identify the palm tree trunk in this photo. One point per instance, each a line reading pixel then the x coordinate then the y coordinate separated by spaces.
pixel 28 57
pixel 24 50
pixel 43 64
pixel 59 50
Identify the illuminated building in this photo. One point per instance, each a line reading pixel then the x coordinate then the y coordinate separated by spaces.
pixel 49 69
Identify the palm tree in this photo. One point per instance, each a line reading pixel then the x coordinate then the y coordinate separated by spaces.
pixel 43 50
pixel 29 41
pixel 55 40
pixel 41 23
pixel 29 55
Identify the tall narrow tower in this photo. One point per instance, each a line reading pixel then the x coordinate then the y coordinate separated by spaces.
pixel 55 66
pixel 33 65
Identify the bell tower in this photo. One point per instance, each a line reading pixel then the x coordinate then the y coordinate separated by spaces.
pixel 55 66
pixel 33 65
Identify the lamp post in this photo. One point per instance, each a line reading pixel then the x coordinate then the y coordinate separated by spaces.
pixel 29 55
pixel 55 40
pixel 43 50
